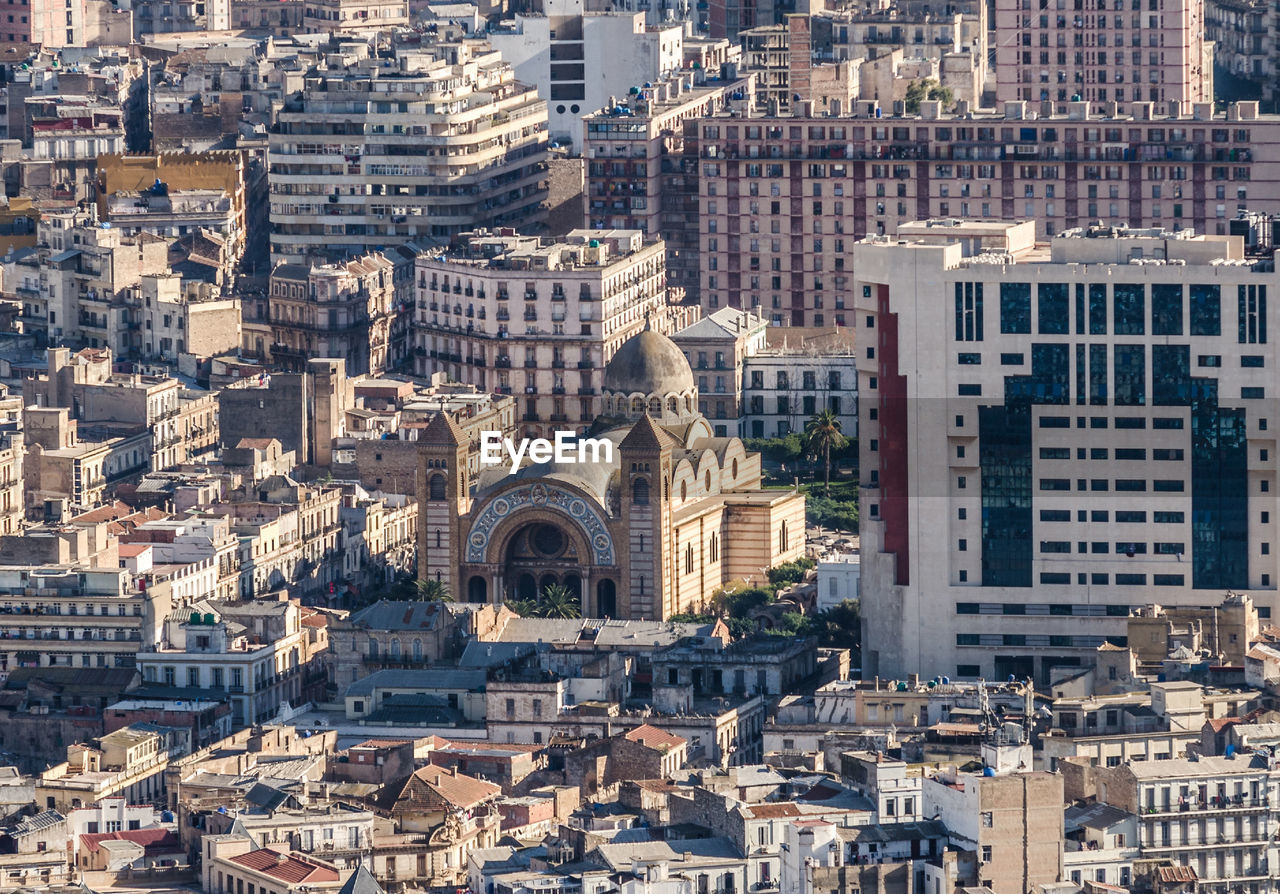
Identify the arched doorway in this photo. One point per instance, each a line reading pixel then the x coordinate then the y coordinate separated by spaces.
pixel 607 599
pixel 477 589
pixel 526 587
pixel 573 583
pixel 548 580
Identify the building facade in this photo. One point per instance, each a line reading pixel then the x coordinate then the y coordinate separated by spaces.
pixel 539 320
pixel 452 142
pixel 1100 54
pixel 783 199
pixel 1018 503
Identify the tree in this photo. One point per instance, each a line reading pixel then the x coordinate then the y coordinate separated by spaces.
pixel 558 601
pixel 821 436
pixel 433 591
pixel 918 91
pixel 525 608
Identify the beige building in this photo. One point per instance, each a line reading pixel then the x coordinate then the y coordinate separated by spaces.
pixel 78 616
pixel 1101 55
pixel 648 529
pixel 453 142
pixel 129 763
pixel 538 319
pixel 351 15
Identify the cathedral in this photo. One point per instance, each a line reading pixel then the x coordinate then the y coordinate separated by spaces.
pixel 652 533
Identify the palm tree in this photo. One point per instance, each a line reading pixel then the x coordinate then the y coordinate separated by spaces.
pixel 525 608
pixel 433 591
pixel 821 436
pixel 558 601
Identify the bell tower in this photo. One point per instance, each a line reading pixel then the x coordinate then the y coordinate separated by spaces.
pixel 444 497
pixel 648 584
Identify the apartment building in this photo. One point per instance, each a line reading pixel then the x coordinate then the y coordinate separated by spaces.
pixel 1102 52
pixel 540 319
pixel 718 348
pixel 787 383
pixel 256 654
pixel 783 199
pixel 579 54
pixel 1116 440
pixel 1212 814
pixel 348 15
pixel 637 175
pixel 78 616
pixel 358 309
pixel 1245 38
pixel 129 763
pixel 441 141
pixel 176 316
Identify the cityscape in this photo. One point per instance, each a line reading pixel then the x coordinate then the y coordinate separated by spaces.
pixel 639 447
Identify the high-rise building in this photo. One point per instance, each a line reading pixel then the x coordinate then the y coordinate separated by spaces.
pixel 539 320
pixel 783 199
pixel 1102 52
pixel 637 176
pixel 438 142
pixel 1053 435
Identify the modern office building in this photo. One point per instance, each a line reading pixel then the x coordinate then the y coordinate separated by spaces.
pixel 1053 435
pixel 782 200
pixel 1103 52
pixel 381 152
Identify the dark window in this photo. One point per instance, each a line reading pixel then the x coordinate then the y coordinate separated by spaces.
pixel 1167 422
pixel 1166 309
pixel 1055 515
pixel 1011 360
pixel 1252 361
pixel 1098 375
pixel 1015 308
pixel 1054 309
pixel 1206 310
pixel 1130 516
pixel 1253 393
pixel 1129 300
pixel 1098 309
pixel 1252 304
pixel 968 311
pixel 1170 375
pixel 1168 518
pixel 970 359
pixel 970 390
pixel 1130 375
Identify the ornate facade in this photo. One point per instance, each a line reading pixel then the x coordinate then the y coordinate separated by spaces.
pixel 649 533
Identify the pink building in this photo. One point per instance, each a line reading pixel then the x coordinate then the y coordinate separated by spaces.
pixel 1102 51
pixel 782 200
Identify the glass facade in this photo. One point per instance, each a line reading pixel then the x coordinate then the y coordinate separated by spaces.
pixel 1015 308
pixel 1004 434
pixel 1129 300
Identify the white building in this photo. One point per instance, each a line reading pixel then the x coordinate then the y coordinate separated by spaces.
pixel 592 56
pixel 539 320
pixel 1052 436
pixel 839 579
pixel 784 387
pixel 806 844
pixel 111 815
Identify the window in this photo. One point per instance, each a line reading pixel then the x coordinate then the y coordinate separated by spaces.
pixel 1206 310
pixel 1053 309
pixel 1166 309
pixel 1129 300
pixel 1252 307
pixel 1130 374
pixel 968 311
pixel 1015 308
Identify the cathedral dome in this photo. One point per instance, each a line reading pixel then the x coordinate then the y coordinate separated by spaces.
pixel 649 363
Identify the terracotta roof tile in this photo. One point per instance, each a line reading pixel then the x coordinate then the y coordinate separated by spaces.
pixel 292 868
pixel 153 841
pixel 652 737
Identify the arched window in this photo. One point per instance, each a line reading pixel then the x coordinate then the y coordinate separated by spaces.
pixel 713 548
pixel 706 481
pixel 671 406
pixel 684 490
pixel 734 470
pixel 782 538
pixel 688 404
pixel 640 492
pixel 395 648
pixel 417 650
pixel 439 544
pixel 435 488
pixel 637 404
pixel 655 405
pixel 688 559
